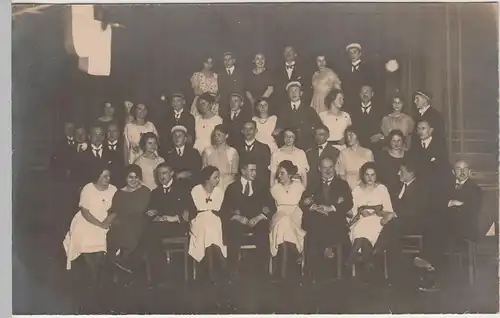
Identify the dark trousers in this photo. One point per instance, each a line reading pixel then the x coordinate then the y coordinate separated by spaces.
pixel 153 248
pixel 235 237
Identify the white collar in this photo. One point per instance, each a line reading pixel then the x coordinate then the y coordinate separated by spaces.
pixel 230 69
pixel 235 112
pixel 296 104
pixel 169 184
pixel 328 180
pixel 181 148
pixel 96 148
pixel 427 141
pixel 356 63
pixel 290 64
pixel 323 145
pixel 250 143
pixel 178 112
pixel 410 182
pixel 423 110
pixel 70 138
pixel 461 182
pixel 244 181
pixel 365 106
pixel 113 143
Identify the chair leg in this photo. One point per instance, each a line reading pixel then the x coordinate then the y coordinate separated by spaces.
pixel 386 271
pixel 339 262
pixel 186 263
pixel 471 261
pixel 194 269
pixel 271 265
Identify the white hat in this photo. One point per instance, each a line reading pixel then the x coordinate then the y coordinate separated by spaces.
pixel 353 45
pixel 179 127
pixel 294 83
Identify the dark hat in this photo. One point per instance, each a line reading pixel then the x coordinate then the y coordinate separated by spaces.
pixel 424 94
pixel 208 97
pixel 177 94
pixel 228 53
pixel 236 94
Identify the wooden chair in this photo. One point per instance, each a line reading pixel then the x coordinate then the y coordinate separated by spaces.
pixel 386 271
pixel 172 245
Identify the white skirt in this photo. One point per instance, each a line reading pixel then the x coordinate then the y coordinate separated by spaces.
pixel 83 237
pixel 206 230
pixel 286 226
pixel 367 227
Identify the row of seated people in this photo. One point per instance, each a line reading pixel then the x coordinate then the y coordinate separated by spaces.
pixel 366 221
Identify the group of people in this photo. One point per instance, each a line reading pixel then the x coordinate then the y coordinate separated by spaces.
pixel 297 179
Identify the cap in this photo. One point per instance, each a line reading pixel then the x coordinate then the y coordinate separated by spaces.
pixel 353 45
pixel 424 94
pixel 177 94
pixel 236 94
pixel 178 127
pixel 294 83
pixel 228 53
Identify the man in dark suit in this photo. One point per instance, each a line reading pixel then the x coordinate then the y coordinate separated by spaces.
pixel 426 112
pixel 168 213
pixel 366 117
pixel 325 205
pixel 176 116
pixel 114 145
pixel 94 157
pixel 183 158
pixel 290 71
pixel 355 75
pixel 65 151
pixel 321 150
pixel 456 220
pixel 230 80
pixel 246 209
pixel 410 202
pixel 299 116
pixel 252 150
pixel 234 121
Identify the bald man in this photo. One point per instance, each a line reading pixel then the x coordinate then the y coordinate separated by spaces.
pixel 458 219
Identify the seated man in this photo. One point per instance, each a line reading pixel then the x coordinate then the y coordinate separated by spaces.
pixel 325 205
pixel 321 150
pixel 169 218
pixel 235 120
pixel 457 220
pixel 246 208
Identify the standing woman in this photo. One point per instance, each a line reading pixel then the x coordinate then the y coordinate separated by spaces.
pixel 260 81
pixel 127 107
pixel 335 119
pixel 206 226
pixel 290 152
pixel 87 233
pixel 398 120
pixel 372 209
pixel 323 81
pixel 129 205
pixel 205 122
pixel 205 81
pixel 149 159
pixel 222 156
pixel 108 117
pixel 352 158
pixel 265 124
pixel 389 160
pixel 286 235
pixel 134 130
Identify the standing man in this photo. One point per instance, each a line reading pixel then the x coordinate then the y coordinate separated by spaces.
pixel 298 115
pixel 176 116
pixel 322 150
pixel 252 150
pixel 230 80
pixel 356 74
pixel 326 203
pixel 426 112
pixel 114 145
pixel 94 157
pixel 238 115
pixel 289 71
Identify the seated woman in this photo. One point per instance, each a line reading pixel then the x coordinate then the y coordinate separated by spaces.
pixel 134 130
pixel 129 207
pixel 390 159
pixel 87 233
pixel 290 152
pixel 149 159
pixel 265 124
pixel 222 156
pixel 205 122
pixel 286 235
pixel 335 119
pixel 398 120
pixel 168 213
pixel 206 239
pixel 372 208
pixel 108 116
pixel 352 158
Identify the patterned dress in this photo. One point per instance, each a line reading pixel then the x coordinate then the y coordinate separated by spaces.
pixel 204 84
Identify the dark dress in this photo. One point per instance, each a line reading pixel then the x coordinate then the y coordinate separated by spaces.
pixel 258 84
pixel 388 168
pixel 128 226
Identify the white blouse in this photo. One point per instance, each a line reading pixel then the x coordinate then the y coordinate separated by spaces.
pixel 336 124
pixel 205 201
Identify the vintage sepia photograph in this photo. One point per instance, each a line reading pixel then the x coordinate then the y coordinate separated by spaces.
pixel 255 158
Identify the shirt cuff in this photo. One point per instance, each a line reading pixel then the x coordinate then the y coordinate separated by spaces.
pixel 265 216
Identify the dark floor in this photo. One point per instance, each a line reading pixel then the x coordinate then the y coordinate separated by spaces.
pixel 42 286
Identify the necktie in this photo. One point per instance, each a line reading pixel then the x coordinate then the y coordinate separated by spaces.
pixel 246 192
pixel 97 154
pixel 365 109
pixel 71 142
pixel 424 146
pixel 233 115
pixel 457 185
pixel 249 147
pixel 79 148
pixel 294 106
pixel 179 152
pixel 289 67
pixel 326 191
pixel 355 67
pixel 177 116
pixel 166 189
pixel 402 192
pixel 229 72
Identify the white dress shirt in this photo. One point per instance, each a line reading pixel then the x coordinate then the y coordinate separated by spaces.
pixel 355 65
pixel 403 188
pixel 422 111
pixel 244 184
pixel 425 143
pixel 230 70
pixel 366 108
pixel 295 105
pixel 178 114
pixel 180 150
pixel 249 144
pixel 289 70
pixel 321 148
pixel 97 150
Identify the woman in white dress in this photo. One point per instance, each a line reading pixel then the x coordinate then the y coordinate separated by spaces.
pixel 290 152
pixel 205 123
pixel 205 82
pixel 371 210
pixel 335 119
pixel 222 156
pixel 149 159
pixel 286 235
pixel 352 158
pixel 87 232
pixel 134 130
pixel 206 226
pixel 323 81
pixel 265 124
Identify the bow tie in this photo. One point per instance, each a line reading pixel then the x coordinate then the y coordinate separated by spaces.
pixel 327 182
pixel 290 67
pixel 70 141
pixel 208 200
pixel 249 146
pixel 458 185
pixel 320 147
